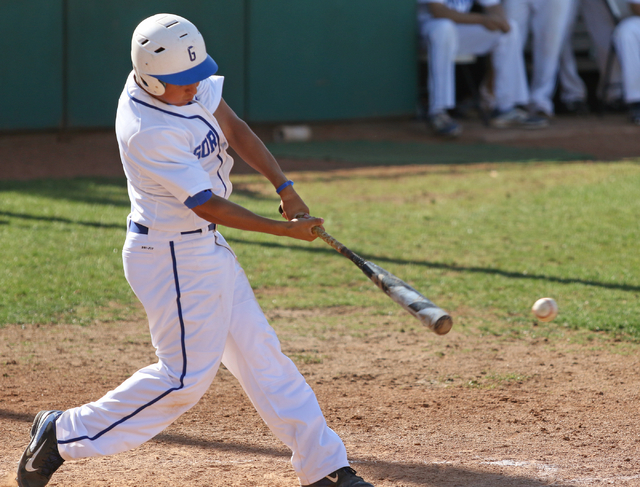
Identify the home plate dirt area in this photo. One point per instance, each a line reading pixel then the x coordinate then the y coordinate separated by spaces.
pixel 413 408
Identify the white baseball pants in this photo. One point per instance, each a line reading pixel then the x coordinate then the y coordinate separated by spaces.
pixel 548 21
pixel 600 25
pixel 444 40
pixel 572 87
pixel 201 311
pixel 627 41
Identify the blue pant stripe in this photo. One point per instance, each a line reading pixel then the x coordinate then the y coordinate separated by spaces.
pixel 184 364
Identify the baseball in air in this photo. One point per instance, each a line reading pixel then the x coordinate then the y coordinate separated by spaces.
pixel 545 309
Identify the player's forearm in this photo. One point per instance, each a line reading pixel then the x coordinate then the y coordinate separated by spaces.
pixel 223 212
pixel 253 151
pixel 497 11
pixel 635 8
pixel 248 145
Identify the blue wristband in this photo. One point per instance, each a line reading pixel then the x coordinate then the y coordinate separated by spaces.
pixel 284 185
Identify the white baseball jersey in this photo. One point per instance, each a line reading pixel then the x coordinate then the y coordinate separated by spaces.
pixel 172 154
pixel 462 6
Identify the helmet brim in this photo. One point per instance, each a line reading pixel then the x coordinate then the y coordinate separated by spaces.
pixel 206 68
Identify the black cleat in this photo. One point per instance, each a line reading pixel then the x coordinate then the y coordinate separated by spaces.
pixel 41 458
pixel 343 477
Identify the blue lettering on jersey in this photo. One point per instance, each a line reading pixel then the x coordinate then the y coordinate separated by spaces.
pixel 207 146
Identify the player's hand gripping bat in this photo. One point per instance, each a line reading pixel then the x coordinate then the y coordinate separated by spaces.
pixel 434 318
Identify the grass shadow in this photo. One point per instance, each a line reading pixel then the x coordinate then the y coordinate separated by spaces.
pixel 389 153
pixel 99 191
pixel 451 267
pixel 56 219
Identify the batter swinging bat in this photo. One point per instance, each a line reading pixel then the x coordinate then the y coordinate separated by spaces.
pixel 436 319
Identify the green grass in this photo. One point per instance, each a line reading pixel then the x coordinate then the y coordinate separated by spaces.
pixel 61 251
pixel 389 153
pixel 482 242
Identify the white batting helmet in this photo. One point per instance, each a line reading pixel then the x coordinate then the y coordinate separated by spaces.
pixel 167 48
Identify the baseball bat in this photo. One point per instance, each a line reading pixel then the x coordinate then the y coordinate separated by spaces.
pixel 434 318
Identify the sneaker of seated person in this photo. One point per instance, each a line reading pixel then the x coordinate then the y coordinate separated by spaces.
pixel 518 118
pixel 634 113
pixel 442 124
pixel 577 107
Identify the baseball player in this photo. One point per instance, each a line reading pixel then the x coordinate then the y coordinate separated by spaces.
pixel 448 28
pixel 600 18
pixel 573 91
pixel 174 130
pixel 548 21
pixel 626 38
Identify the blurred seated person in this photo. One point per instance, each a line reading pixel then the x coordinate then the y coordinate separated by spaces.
pixel 449 29
pixel 626 38
pixel 547 21
pixel 599 21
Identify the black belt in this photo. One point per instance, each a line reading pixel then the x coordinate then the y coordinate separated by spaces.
pixel 141 229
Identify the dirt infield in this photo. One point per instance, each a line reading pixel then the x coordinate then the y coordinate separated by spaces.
pixel 28 156
pixel 414 409
pixel 546 407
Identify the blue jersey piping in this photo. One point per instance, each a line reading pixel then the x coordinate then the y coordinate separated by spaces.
pixel 148 105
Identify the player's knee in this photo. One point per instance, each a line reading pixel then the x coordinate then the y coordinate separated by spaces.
pixel 628 30
pixel 513 36
pixel 442 35
pixel 192 387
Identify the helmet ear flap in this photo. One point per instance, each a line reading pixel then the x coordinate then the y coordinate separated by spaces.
pixel 150 84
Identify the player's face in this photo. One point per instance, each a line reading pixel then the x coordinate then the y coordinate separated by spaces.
pixel 179 95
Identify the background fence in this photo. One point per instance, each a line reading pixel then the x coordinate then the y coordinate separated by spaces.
pixel 64 62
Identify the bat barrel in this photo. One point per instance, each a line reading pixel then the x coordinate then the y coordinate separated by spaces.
pixel 433 317
pixel 436 320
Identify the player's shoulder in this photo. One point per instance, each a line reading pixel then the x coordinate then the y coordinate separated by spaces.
pixel 210 92
pixel 211 84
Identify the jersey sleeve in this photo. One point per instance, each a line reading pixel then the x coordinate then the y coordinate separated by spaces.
pixel 163 157
pixel 210 92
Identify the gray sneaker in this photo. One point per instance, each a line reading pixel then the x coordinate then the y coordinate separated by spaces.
pixel 519 118
pixel 634 113
pixel 343 477
pixel 41 458
pixel 442 124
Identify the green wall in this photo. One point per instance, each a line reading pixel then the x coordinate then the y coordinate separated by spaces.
pixel 283 60
pixel 31 64
pixel 333 59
